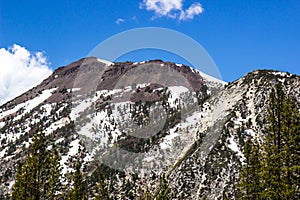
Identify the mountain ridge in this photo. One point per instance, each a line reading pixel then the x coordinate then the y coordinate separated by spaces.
pixel 202 140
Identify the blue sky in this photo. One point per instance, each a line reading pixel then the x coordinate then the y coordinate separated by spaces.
pixel 239 35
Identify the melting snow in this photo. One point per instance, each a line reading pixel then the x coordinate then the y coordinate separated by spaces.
pixel 281 74
pixel 105 62
pixel 250 132
pixel 58 124
pixel 211 78
pixel 234 147
pixel 47 108
pixel 80 108
pixel 167 143
pixel 2 153
pixel 72 151
pixel 73 89
pixel 175 93
pixel 29 105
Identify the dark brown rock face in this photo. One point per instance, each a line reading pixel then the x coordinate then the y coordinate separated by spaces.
pixel 91 71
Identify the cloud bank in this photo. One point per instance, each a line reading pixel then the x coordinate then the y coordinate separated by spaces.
pixel 20 70
pixel 172 9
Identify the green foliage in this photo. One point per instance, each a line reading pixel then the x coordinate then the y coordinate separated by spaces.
pixel 276 176
pixel 38 177
pixel 53 182
pixel 163 190
pixel 102 187
pixel 79 190
pixel 280 172
pixel 250 174
pixel 146 196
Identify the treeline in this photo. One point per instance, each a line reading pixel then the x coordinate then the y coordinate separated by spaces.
pixel 272 169
pixel 39 177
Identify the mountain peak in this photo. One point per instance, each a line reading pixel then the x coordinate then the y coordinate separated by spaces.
pixel 141 124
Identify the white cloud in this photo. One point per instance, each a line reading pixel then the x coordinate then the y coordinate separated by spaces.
pixel 20 70
pixel 193 10
pixel 172 9
pixel 162 7
pixel 120 20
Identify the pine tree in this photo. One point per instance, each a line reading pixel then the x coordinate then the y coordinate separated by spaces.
pixel 53 183
pixel 103 193
pixel 249 185
pixel 277 175
pixel 79 191
pixel 224 196
pixel 281 163
pixel 20 191
pixel 38 177
pixel 273 147
pixel 164 190
pixel 146 196
pixel 291 151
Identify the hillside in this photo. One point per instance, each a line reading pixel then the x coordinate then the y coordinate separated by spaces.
pixel 134 122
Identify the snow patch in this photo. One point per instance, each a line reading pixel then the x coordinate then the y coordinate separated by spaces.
pixel 211 78
pixel 175 93
pixel 74 147
pixel 280 73
pixel 80 108
pixel 47 108
pixel 73 89
pixel 2 124
pixel 59 140
pixel 250 132
pixel 28 105
pixel 56 125
pixel 11 184
pixel 105 62
pixel 2 153
pixel 167 142
pixel 73 150
pixel 234 147
pixel 136 63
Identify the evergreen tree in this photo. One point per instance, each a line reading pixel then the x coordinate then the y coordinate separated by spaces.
pixel 249 185
pixel 291 151
pixel 79 191
pixel 277 175
pixel 281 164
pixel 164 190
pixel 38 177
pixel 224 196
pixel 273 161
pixel 103 193
pixel 53 183
pixel 20 191
pixel 146 196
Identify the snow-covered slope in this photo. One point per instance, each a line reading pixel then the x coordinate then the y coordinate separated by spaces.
pixel 193 134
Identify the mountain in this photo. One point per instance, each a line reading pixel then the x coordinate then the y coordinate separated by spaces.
pixel 133 122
